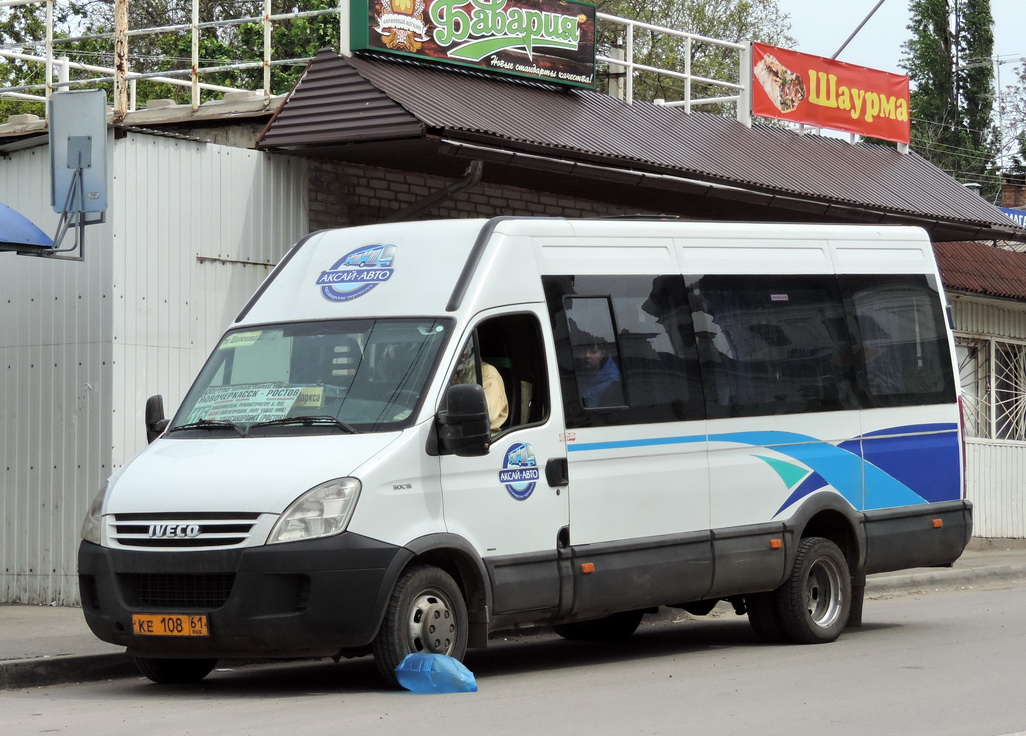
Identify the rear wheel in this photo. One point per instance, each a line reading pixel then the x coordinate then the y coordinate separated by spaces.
pixel 815 599
pixel 174 671
pixel 618 626
pixel 764 617
pixel 426 613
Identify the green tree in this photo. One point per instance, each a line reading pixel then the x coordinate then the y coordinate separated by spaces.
pixel 21 27
pixel 726 20
pixel 1013 116
pixel 299 38
pixel 948 59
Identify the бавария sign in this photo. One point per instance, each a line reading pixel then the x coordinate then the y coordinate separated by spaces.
pixel 542 39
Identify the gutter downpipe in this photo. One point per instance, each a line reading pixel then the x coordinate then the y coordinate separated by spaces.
pixel 470 178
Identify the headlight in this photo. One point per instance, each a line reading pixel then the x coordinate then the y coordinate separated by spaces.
pixel 320 512
pixel 91 525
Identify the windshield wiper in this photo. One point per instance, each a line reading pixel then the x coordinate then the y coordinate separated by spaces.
pixel 209 424
pixel 308 421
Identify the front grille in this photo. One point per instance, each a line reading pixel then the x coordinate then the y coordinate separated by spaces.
pixel 177 591
pixel 182 530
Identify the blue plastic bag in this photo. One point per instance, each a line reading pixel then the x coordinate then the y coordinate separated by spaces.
pixel 434 673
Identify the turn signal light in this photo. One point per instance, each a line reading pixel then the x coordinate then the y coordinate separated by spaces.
pixel 938 523
pixel 587 567
pixel 776 544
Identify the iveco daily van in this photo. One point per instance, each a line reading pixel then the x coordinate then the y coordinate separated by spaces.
pixel 416 435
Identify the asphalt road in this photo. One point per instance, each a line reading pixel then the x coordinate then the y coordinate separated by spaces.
pixel 946 662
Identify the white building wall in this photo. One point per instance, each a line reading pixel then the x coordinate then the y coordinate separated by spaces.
pixel 202 226
pixel 55 390
pixel 82 344
pixel 995 469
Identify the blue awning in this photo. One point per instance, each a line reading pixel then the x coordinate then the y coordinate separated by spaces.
pixel 16 229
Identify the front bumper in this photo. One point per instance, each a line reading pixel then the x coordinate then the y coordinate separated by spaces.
pixel 301 599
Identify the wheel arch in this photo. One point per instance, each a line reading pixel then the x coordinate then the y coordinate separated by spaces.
pixel 456 556
pixel 831 517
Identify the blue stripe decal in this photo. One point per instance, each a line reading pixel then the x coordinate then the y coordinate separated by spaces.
pixel 876 473
pixel 620 444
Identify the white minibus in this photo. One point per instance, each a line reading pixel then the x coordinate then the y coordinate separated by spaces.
pixel 417 435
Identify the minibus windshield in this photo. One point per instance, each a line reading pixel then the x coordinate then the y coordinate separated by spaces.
pixel 313 378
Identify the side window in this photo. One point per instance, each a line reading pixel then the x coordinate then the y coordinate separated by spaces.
pixel 505 355
pixel 597 358
pixel 625 347
pixel 902 356
pixel 773 344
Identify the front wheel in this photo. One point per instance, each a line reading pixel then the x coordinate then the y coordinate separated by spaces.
pixel 426 613
pixel 174 671
pixel 815 599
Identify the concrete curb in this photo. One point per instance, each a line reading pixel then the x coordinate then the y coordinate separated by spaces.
pixel 944 578
pixel 39 671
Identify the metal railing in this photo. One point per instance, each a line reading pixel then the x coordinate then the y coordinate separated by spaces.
pixel 53 53
pixel 739 92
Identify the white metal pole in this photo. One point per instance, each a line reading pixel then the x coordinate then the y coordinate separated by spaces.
pixel 345 48
pixel 744 98
pixel 49 48
pixel 629 53
pixel 687 71
pixel 195 56
pixel 267 51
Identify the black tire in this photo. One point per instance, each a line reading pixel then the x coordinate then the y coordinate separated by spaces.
pixel 174 671
pixel 764 617
pixel 611 628
pixel 426 613
pixel 815 599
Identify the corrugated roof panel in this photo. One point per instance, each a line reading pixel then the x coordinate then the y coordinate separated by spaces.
pixel 333 104
pixel 593 127
pixel 982 269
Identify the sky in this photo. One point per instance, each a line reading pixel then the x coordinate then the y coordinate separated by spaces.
pixel 820 27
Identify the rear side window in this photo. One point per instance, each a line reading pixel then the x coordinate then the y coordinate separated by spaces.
pixel 597 357
pixel 625 349
pixel 773 344
pixel 902 357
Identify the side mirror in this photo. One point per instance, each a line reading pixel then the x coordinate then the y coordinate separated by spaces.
pixel 463 426
pixel 156 423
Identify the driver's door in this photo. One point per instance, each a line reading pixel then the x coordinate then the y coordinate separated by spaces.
pixel 512 504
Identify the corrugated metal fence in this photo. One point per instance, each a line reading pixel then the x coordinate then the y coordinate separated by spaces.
pixel 191 231
pixel 996 444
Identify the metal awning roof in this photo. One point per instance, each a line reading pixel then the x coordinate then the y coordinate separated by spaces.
pixel 981 269
pixel 404 115
pixel 16 231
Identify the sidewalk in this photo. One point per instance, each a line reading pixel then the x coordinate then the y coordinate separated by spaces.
pixel 43 645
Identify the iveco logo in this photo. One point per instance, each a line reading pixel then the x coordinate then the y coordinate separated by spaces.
pixel 174 531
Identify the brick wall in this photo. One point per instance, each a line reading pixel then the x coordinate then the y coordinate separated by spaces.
pixel 346 194
pixel 1013 192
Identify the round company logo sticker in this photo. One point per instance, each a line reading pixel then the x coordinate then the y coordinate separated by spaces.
pixel 519 471
pixel 357 272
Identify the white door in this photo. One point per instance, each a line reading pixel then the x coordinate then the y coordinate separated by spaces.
pixel 512 504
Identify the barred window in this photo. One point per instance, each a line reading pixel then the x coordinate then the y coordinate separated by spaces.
pixel 1009 391
pixel 974 376
pixel 993 378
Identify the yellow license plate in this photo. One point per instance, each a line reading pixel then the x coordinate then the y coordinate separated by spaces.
pixel 164 624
